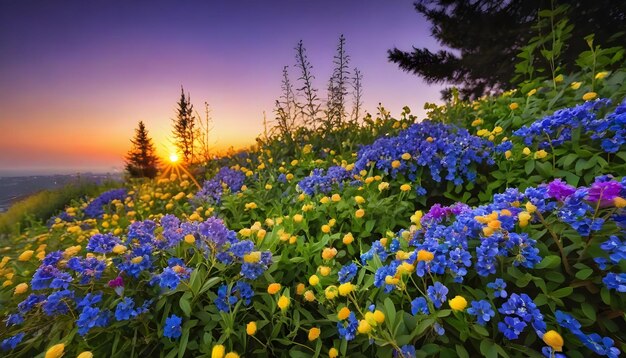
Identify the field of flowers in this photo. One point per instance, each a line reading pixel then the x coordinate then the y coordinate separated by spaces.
pixel 493 228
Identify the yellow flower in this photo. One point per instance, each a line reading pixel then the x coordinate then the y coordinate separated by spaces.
pixel 251 328
pixel 119 249
pixel 325 229
pixel 619 202
pixel 190 239
pixel 395 164
pixel 601 75
pixel 494 224
pixel 532 92
pixel 331 292
pixel 273 288
pixel 314 280
pixel 423 255
pixel 231 355
pixel 329 253
pixel 333 353
pixel 364 327
pixel 558 79
pixel 554 340
pixel 136 259
pixel 245 232
pixel 261 234
pixel 406 156
pixel 314 333
pixel 343 313
pixel 383 186
pixel 348 238
pixel 575 85
pixel 26 255
pixel 487 231
pixel 218 351
pixel 20 288
pixel 309 296
pixel 507 154
pixel 345 288
pixel 85 354
pixel 268 186
pixel 359 199
pixel 429 139
pixel 530 207
pixel 513 106
pixel 526 151
pixel 405 187
pixel 523 218
pixel 477 122
pixel 283 302
pixel 297 218
pixel 324 270
pixel 390 280
pixel 589 96
pixel 359 213
pixel 335 198
pixel 458 303
pixel 56 351
pixel 540 154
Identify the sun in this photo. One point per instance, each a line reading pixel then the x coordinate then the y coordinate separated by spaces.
pixel 174 158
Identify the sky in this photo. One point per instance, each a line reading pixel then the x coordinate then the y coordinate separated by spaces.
pixel 77 76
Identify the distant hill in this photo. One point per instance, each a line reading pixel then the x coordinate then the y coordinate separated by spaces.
pixel 13 189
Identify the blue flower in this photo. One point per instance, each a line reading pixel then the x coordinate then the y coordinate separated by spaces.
pixel 419 305
pixel 172 328
pixel 407 351
pixel 125 309
pixel 347 330
pixel 614 281
pixel 14 319
pixel 56 303
pixel 30 302
pixel 102 243
pixel 482 310
pixel 226 299
pixel 437 294
pixel 91 317
pixel 511 327
pixel 11 342
pixel 95 207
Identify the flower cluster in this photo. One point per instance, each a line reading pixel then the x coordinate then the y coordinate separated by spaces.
pixel 322 182
pixel 226 179
pixel 95 208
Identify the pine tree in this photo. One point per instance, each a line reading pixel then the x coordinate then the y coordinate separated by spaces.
pixel 141 160
pixel 184 128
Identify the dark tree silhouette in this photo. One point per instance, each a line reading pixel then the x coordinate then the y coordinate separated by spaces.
pixel 184 131
pixel 141 160
pixel 338 85
pixel 487 35
pixel 311 106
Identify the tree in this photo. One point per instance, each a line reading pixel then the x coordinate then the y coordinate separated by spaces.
pixel 357 94
pixel 184 128
pixel 311 106
pixel 338 84
pixel 286 109
pixel 487 36
pixel 202 134
pixel 141 160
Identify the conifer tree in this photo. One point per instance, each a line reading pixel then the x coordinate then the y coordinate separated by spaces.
pixel 184 128
pixel 141 160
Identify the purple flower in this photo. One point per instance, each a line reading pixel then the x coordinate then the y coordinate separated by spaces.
pixel 560 190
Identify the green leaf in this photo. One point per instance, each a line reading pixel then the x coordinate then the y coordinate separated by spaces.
pixel 529 166
pixel 562 292
pixel 390 309
pixel 185 305
pixel 461 351
pixel 549 262
pixel 488 349
pixel 584 274
pixel 589 311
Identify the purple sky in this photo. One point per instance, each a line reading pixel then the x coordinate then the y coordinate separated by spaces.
pixel 77 76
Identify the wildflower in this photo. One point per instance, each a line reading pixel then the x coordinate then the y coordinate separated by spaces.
pixel 345 288
pixel 379 316
pixel 508 154
pixel 119 249
pixel 482 310
pixel 333 353
pixel 347 273
pixel 85 354
pixel 513 106
pixel 526 151
pixel 56 351
pixel 348 238
pixel 324 270
pixel 273 288
pixel 172 327
pixel 359 199
pixel 190 239
pixel 419 305
pixel 343 313
pixel 218 351
pixel 331 292
pixel 329 253
pixel 251 328
pixel 283 302
pixel 335 198
pixel 619 202
pixel 575 85
pixel 531 92
pixel 314 333
pixel 297 218
pixel 589 96
pixel 405 187
pixel 364 327
pixel 26 255
pixel 423 255
pixel 325 229
pixel 437 294
pixel 309 296
pixel 20 288
pixel 383 186
pixel 12 342
pixel 554 340
pixel 458 303
pixel 359 213
pixel 314 280
pixel 523 218
pixel 499 288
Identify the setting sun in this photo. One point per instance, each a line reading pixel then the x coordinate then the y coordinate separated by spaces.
pixel 173 158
